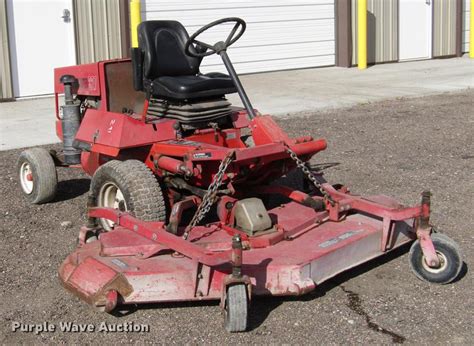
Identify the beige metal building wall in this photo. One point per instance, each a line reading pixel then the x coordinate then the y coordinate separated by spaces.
pixel 444 28
pixel 6 91
pixel 100 29
pixel 382 31
pixel 465 28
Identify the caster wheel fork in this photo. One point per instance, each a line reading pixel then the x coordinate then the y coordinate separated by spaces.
pixel 237 290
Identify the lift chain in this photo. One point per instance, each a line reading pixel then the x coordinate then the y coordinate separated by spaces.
pixel 210 196
pixel 304 167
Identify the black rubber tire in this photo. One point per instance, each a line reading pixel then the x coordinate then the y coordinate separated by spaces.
pixel 236 309
pixel 139 186
pixel 45 177
pixel 447 250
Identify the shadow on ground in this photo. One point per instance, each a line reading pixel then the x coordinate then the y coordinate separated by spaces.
pixel 72 188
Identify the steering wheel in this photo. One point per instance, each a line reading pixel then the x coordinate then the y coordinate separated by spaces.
pixel 220 46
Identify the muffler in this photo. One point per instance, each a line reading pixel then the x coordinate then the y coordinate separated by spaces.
pixel 70 121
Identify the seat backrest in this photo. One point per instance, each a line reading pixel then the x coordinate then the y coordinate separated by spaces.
pixel 162 43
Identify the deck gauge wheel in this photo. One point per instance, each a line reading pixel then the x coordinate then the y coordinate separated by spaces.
pixel 236 308
pixel 450 260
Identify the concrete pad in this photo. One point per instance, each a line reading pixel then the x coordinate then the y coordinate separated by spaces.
pixel 286 92
pixel 31 122
pixel 27 123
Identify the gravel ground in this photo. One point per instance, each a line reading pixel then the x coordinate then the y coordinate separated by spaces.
pixel 397 147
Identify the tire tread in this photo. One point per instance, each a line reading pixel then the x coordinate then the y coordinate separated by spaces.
pixel 440 241
pixel 146 201
pixel 44 173
pixel 237 309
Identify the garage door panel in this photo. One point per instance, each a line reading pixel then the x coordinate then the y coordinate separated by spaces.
pixel 264 33
pixel 273 58
pixel 282 33
pixel 196 19
pixel 242 54
pixel 189 5
pixel 275 65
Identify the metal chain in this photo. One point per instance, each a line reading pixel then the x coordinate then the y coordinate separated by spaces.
pixel 210 196
pixel 304 167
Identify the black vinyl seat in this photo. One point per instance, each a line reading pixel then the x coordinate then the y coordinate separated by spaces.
pixel 166 71
pixel 190 87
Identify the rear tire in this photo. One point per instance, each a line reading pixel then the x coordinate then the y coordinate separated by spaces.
pixel 236 308
pixel 449 255
pixel 38 176
pixel 128 186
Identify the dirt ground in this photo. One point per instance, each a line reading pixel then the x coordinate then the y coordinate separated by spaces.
pixel 397 147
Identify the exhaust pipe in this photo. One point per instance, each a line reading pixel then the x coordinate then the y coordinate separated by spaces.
pixel 70 121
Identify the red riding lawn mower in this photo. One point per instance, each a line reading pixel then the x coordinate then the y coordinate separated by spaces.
pixel 185 203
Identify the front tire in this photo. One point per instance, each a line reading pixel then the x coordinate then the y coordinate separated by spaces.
pixel 38 176
pixel 128 186
pixel 449 256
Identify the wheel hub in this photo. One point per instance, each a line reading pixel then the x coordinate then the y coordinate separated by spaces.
pixel 110 196
pixel 443 263
pixel 26 178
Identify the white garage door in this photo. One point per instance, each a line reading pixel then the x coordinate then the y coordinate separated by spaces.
pixel 281 34
pixel 41 35
pixel 466 25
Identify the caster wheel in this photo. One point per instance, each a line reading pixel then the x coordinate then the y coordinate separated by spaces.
pixel 450 260
pixel 37 173
pixel 236 309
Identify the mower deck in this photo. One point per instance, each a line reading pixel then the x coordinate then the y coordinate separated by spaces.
pixel 290 260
